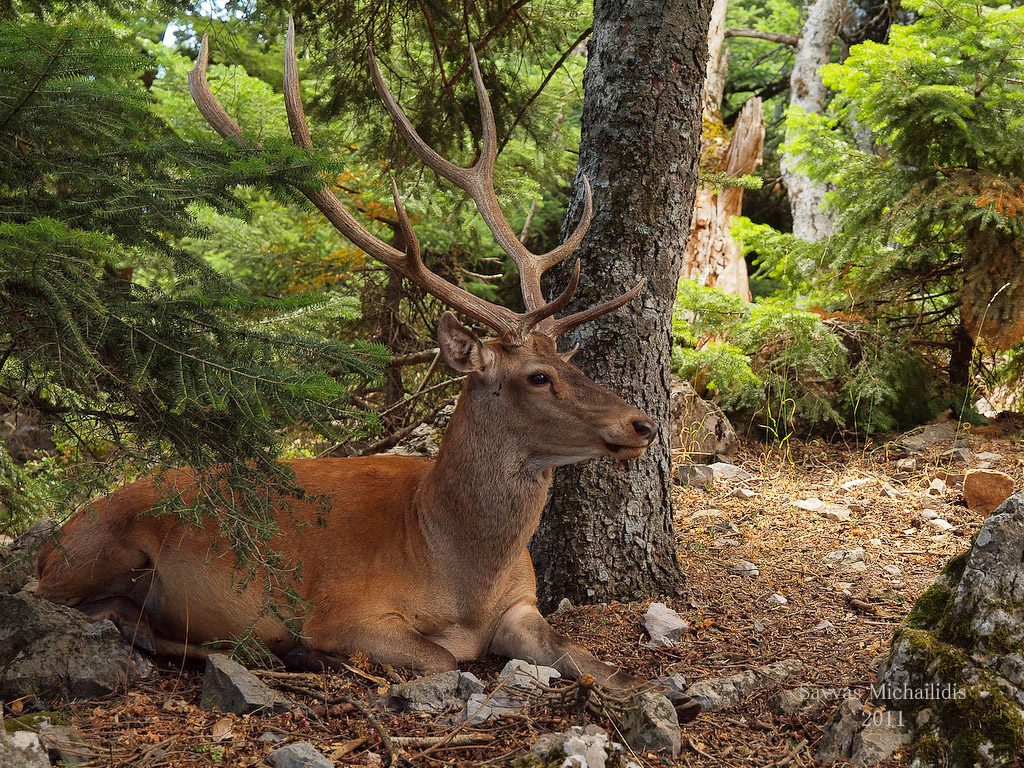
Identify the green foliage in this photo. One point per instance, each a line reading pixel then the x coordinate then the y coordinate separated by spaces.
pixel 128 346
pixel 923 147
pixel 789 370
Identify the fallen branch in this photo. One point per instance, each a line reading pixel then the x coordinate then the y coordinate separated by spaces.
pixel 772 37
pixel 459 740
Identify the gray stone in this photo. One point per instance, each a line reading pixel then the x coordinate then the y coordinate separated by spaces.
pixel 730 472
pixel 18 558
pixel 673 683
pixel 805 701
pixel 482 707
pixel 664 626
pixel 836 742
pixel 720 693
pixel 52 651
pixel 230 687
pixel 699 428
pixel 22 749
pixel 907 465
pixel 745 568
pixel 941 524
pixel 777 600
pixel 524 676
pixel 650 724
pixel 742 493
pixel 587 746
pixel 64 745
pixel 879 739
pixel 847 559
pixel 991 592
pixel 937 487
pixel 961 456
pixel 301 754
pixel 694 475
pixel 923 438
pixel 436 693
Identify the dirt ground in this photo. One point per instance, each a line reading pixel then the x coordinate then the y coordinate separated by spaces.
pixel 837 622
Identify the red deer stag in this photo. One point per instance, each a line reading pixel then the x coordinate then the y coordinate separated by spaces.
pixel 415 563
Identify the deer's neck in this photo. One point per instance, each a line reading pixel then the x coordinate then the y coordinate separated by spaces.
pixel 482 502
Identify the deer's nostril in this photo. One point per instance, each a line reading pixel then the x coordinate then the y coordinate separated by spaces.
pixel 645 429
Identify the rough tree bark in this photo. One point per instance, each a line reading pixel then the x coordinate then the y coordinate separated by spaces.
pixel 712 257
pixel 807 91
pixel 607 533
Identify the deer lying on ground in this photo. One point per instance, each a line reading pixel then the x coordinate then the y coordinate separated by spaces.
pixel 412 562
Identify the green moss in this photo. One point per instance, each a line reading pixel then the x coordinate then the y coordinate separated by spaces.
pixel 929 749
pixel 33 722
pixel 985 714
pixel 931 608
pixel 954 570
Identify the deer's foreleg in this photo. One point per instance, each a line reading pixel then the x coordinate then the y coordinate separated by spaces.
pixel 389 640
pixel 523 633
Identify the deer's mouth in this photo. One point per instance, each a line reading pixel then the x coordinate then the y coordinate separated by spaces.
pixel 619 451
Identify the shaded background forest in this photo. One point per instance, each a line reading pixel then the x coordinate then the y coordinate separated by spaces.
pixel 167 299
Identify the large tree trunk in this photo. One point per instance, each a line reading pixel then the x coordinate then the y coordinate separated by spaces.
pixel 607 533
pixel 807 91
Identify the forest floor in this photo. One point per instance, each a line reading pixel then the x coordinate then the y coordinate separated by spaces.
pixel 838 620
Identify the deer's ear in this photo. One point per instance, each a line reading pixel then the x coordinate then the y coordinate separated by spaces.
pixel 461 348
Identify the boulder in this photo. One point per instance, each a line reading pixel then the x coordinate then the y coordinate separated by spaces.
pixel 52 651
pixel 719 693
pixel 230 687
pixel 22 749
pixel 694 475
pixel 952 686
pixel 436 693
pixel 588 746
pixel 986 489
pixel 664 626
pixel 301 754
pixel 922 438
pixel 650 724
pixel 699 428
pixel 18 559
pixel 723 470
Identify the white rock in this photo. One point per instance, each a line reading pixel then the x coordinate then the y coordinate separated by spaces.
pixel 526 676
pixel 937 487
pixel 808 505
pixel 724 471
pixel 929 514
pixel 777 600
pixel 889 490
pixel 836 513
pixel 942 525
pixel 742 493
pixel 849 485
pixel 823 626
pixel 893 570
pixel 906 465
pixel 664 626
pixel 988 456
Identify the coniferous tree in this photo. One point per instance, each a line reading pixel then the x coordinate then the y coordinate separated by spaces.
pixel 117 338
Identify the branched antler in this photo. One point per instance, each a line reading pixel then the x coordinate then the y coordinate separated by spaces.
pixel 477 181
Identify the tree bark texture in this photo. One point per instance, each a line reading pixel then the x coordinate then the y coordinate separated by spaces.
pixel 607 533
pixel 807 91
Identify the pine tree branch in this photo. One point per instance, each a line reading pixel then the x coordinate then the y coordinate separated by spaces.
pixel 772 37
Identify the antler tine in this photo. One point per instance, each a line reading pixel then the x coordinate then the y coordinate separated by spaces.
pixel 501 320
pixel 209 107
pixel 478 182
pixel 556 328
pixel 292 95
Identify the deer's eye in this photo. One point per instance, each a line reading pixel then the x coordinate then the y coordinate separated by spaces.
pixel 539 379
